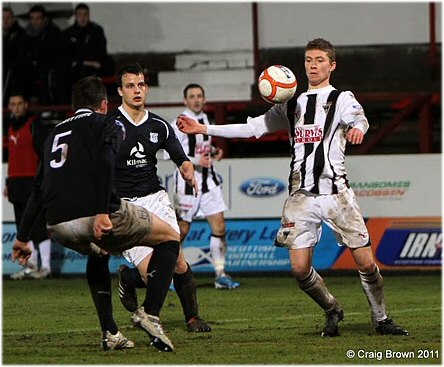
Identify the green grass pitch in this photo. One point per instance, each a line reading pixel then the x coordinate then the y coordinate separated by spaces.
pixel 268 320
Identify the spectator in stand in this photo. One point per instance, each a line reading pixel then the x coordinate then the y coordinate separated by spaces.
pixel 26 137
pixel 43 57
pixel 85 46
pixel 13 35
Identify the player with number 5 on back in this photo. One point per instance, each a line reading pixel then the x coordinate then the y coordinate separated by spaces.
pixel 76 189
pixel 320 122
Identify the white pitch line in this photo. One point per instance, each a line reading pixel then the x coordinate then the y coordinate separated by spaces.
pixel 226 321
pixel 295 317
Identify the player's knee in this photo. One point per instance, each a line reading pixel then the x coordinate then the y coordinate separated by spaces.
pixel 300 271
pixel 217 225
pixel 168 234
pixel 218 229
pixel 368 267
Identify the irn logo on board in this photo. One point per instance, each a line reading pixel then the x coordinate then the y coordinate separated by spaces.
pixel 410 247
pixel 262 187
pixel 422 245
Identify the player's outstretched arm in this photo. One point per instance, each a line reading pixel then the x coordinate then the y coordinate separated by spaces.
pixel 190 126
pixel 186 169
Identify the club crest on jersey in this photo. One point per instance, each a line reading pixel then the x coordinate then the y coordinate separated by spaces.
pixel 308 134
pixel 326 107
pixel 154 137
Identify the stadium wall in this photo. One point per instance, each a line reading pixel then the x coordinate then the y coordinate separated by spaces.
pixel 217 26
pixel 399 195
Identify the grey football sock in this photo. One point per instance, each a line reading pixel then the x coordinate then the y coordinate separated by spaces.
pixel 315 287
pixel 373 286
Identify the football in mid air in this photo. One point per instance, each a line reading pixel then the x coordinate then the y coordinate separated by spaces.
pixel 277 84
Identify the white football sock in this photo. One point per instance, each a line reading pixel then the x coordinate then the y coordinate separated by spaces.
pixel 45 254
pixel 32 262
pixel 218 251
pixel 373 286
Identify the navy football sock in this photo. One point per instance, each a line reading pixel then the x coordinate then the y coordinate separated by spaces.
pixel 131 278
pixel 99 281
pixel 160 272
pixel 186 291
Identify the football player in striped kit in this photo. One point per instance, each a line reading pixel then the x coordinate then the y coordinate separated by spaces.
pixel 320 122
pixel 137 182
pixel 209 202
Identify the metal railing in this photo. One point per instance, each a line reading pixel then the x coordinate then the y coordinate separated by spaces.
pixel 403 107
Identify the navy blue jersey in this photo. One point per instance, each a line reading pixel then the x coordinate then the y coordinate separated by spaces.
pixel 136 171
pixel 75 177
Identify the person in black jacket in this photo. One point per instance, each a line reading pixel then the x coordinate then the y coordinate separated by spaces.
pixel 43 57
pixel 13 35
pixel 85 46
pixel 75 187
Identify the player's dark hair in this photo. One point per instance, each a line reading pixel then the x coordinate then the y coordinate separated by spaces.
pixel 38 9
pixel 135 69
pixel 88 92
pixel 192 85
pixel 323 45
pixel 81 6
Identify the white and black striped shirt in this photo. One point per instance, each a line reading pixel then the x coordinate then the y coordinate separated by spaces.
pixel 317 123
pixel 196 146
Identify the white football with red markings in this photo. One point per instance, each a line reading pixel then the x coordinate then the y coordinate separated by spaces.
pixel 277 84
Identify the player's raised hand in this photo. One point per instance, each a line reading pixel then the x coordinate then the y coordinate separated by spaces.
pixel 187 172
pixel 21 251
pixel 355 136
pixel 102 226
pixel 190 126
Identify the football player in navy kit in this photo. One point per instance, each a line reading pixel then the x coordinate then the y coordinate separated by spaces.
pixel 318 187
pixel 74 186
pixel 138 183
pixel 209 201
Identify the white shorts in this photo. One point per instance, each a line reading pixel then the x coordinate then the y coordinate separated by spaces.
pixel 303 214
pixel 159 204
pixel 189 206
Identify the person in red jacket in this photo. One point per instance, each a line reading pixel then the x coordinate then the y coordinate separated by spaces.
pixel 25 141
